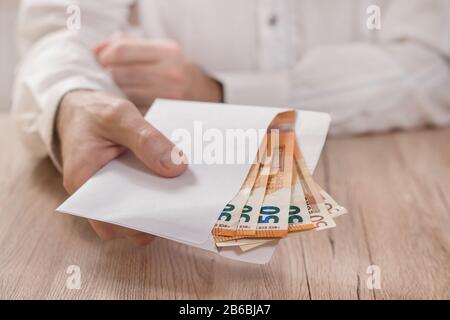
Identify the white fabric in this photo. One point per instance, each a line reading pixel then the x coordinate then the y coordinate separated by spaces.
pixel 309 54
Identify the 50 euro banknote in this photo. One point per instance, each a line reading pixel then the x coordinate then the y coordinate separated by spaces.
pixel 240 216
pixel 310 207
pixel 228 220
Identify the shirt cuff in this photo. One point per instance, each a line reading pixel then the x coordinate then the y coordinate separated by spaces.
pixel 264 89
pixel 49 102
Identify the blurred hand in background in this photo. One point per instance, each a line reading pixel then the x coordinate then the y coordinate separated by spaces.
pixel 150 69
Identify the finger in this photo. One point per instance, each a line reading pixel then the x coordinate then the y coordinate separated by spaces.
pixel 127 127
pixel 106 42
pixel 137 237
pixel 142 239
pixel 142 98
pixel 100 46
pixel 147 95
pixel 107 231
pixel 130 50
pixel 147 75
pixel 136 74
pixel 104 230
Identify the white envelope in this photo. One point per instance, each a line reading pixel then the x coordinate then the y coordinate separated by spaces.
pixel 185 208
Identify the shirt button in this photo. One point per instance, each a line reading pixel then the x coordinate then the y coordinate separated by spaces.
pixel 273 20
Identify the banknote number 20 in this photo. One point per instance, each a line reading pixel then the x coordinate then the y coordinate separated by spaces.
pixel 226 212
pixel 244 216
pixel 269 213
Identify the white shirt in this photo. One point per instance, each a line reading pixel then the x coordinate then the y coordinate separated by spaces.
pixel 308 54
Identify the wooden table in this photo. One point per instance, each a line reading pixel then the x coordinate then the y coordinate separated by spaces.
pixel 396 187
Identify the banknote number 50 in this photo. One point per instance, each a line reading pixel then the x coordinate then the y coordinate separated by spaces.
pixel 268 214
pixel 294 215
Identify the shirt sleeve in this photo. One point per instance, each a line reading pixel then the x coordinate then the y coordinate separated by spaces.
pixel 57 58
pixel 399 78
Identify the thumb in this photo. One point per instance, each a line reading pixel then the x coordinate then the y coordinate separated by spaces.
pixel 129 129
pixel 99 47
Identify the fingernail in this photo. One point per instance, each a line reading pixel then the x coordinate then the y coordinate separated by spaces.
pixel 173 158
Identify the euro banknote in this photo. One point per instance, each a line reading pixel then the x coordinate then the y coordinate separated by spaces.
pixel 283 198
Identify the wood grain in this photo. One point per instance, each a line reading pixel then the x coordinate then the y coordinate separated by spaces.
pixel 396 187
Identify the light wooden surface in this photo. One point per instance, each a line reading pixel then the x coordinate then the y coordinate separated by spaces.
pixel 396 186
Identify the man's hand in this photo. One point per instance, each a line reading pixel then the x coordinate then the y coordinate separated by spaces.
pixel 94 128
pixel 150 69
